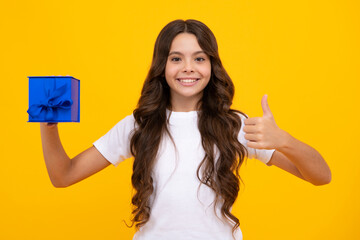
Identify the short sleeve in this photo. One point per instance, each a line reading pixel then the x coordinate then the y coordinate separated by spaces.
pixel 264 155
pixel 115 144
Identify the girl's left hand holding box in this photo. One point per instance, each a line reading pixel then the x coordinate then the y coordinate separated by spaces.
pixel 54 99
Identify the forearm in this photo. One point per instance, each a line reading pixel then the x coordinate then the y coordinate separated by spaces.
pixel 308 161
pixel 56 160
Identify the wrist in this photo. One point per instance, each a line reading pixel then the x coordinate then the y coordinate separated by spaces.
pixel 285 141
pixel 48 125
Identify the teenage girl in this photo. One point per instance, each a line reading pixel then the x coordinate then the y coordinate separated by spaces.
pixel 187 143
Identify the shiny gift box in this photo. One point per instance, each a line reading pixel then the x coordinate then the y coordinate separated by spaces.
pixel 54 99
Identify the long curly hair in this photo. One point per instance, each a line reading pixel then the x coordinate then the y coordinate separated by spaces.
pixel 218 124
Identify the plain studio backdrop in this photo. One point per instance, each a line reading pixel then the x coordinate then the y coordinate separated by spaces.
pixel 303 54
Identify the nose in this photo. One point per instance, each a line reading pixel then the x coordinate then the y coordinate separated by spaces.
pixel 188 67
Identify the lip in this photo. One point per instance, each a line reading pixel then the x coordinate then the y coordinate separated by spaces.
pixel 187 78
pixel 187 84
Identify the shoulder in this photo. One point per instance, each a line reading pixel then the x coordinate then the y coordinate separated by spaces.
pixel 241 115
pixel 127 119
pixel 126 122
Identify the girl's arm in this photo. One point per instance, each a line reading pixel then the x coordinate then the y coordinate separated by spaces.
pixel 62 170
pixel 290 154
pixel 301 160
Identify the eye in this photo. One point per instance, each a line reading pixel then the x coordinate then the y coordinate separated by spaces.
pixel 175 59
pixel 200 59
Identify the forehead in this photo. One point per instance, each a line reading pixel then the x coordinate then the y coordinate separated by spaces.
pixel 184 43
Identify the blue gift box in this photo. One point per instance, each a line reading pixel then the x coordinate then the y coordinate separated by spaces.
pixel 54 99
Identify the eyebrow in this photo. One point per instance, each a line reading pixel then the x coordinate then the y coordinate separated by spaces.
pixel 179 53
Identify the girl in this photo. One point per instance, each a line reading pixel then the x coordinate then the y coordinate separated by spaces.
pixel 187 143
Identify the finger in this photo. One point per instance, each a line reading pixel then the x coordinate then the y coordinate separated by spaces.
pixel 252 121
pixel 252 137
pixel 255 145
pixel 250 129
pixel 265 106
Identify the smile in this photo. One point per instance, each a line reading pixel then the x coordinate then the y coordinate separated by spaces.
pixel 187 81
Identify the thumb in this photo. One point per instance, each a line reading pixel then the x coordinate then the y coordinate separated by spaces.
pixel 265 106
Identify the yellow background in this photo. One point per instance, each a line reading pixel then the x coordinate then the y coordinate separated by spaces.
pixel 303 54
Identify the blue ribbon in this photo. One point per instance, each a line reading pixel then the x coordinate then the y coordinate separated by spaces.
pixel 54 100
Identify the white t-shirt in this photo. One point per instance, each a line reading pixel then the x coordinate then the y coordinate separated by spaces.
pixel 180 209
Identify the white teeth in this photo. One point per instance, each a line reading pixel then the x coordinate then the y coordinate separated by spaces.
pixel 188 80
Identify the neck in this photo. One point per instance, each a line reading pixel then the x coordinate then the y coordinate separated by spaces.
pixel 184 104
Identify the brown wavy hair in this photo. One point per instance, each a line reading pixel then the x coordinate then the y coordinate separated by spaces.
pixel 218 124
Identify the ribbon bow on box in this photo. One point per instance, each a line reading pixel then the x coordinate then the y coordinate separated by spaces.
pixel 53 101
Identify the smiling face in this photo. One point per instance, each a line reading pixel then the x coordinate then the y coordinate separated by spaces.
pixel 187 72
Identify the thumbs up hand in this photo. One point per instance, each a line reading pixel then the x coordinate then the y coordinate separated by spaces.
pixel 262 132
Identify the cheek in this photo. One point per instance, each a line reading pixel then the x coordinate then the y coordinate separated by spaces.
pixel 170 71
pixel 205 70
